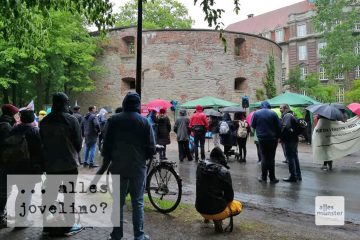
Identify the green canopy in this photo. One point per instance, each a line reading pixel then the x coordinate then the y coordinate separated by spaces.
pixel 208 102
pixel 292 99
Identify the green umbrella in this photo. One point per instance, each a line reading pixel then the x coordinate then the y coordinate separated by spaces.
pixel 208 102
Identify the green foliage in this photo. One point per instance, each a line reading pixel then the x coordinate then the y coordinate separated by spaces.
pixel 260 94
pixel 323 93
pixel 157 14
pixel 295 82
pixel 270 87
pixel 61 61
pixel 354 94
pixel 338 55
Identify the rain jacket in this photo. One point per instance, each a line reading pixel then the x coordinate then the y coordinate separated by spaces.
pixel 129 140
pixel 199 119
pixel 214 189
pixel 181 127
pixel 163 130
pixel 266 123
pixel 90 128
pixel 288 122
pixel 61 137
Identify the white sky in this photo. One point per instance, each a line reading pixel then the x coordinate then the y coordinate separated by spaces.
pixel 256 7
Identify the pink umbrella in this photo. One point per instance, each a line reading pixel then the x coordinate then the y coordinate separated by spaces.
pixel 249 117
pixel 158 104
pixel 144 110
pixel 355 108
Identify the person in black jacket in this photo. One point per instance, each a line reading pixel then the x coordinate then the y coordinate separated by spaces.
pixel 32 165
pixel 61 137
pixel 228 139
pixel 76 113
pixel 129 142
pixel 214 191
pixel 91 129
pixel 163 132
pixel 7 121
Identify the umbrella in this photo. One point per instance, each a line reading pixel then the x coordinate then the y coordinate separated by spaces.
pixel 212 112
pixel 249 117
pixel 158 104
pixel 232 109
pixel 329 111
pixel 355 108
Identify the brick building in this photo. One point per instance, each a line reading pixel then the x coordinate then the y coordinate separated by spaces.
pixel 183 65
pixel 292 28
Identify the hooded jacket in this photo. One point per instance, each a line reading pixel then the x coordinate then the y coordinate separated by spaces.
pixel 61 137
pixel 214 189
pixel 266 123
pixel 181 127
pixel 90 128
pixel 199 119
pixel 163 129
pixel 129 140
pixel 288 123
pixel 230 138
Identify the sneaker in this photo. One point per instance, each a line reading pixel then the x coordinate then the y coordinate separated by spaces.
pixel 76 228
pixel 274 181
pixel 260 179
pixel 325 168
pixel 85 164
pixel 91 165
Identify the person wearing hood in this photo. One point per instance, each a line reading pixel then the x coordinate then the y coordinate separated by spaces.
pixel 214 190
pixel 290 140
pixel 267 126
pixel 129 142
pixel 199 125
pixel 7 121
pixel 182 130
pixel 90 129
pixel 163 132
pixel 229 139
pixel 151 117
pixel 61 138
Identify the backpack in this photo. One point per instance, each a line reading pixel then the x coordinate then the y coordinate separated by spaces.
pixel 299 126
pixel 15 151
pixel 224 128
pixel 242 130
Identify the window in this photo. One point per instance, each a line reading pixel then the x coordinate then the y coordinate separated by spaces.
pixel 130 44
pixel 302 52
pixel 279 35
pixel 301 30
pixel 321 45
pixel 239 44
pixel 303 72
pixel 283 76
pixel 357 48
pixel 128 83
pixel 340 74
pixel 267 35
pixel 240 84
pixel 357 72
pixel 340 95
pixel 357 26
pixel 322 74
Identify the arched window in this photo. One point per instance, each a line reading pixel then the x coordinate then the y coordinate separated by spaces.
pixel 239 46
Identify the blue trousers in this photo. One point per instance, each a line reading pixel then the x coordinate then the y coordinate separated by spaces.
pixel 90 151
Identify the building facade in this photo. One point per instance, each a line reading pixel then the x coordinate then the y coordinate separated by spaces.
pixel 183 65
pixel 292 28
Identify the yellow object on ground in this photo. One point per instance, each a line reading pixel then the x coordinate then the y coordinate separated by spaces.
pixel 234 208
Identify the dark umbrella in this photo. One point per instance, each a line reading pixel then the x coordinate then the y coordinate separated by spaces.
pixel 212 112
pixel 232 110
pixel 328 111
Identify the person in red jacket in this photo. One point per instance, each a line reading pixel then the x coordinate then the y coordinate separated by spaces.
pixel 199 125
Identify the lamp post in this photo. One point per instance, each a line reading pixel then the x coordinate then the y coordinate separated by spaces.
pixel 139 49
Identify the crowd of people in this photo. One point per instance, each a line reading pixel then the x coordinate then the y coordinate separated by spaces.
pixel 126 140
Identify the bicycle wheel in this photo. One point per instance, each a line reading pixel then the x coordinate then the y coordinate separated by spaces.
pixel 164 188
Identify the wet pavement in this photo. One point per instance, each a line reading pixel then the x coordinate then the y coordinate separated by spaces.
pixel 343 180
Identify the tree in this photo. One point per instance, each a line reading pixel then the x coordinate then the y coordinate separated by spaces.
pixel 269 83
pixel 323 93
pixel 354 94
pixel 336 20
pixel 157 14
pixel 295 82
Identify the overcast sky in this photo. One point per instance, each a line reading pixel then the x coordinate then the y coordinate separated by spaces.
pixel 256 7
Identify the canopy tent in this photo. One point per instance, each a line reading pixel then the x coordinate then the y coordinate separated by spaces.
pixel 297 111
pixel 292 99
pixel 208 102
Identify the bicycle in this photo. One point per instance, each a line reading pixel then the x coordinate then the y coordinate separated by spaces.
pixel 163 184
